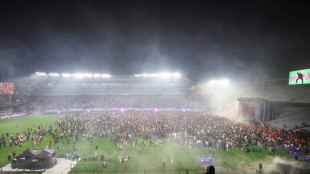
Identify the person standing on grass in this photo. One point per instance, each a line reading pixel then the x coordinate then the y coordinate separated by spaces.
pixel 9 157
pixel 89 156
pixel 273 151
pixel 85 157
pixel 210 150
pixel 14 155
pixel 171 159
pixel 96 156
pixel 102 157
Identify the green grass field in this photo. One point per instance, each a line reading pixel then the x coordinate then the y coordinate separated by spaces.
pixel 151 160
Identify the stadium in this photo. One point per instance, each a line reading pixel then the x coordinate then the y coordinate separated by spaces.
pixel 152 123
pixel 154 87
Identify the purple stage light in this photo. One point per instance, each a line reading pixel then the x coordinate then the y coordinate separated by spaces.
pixel 58 111
pixel 122 110
pixel 205 160
pixel 87 111
pixel 184 110
pixel 156 110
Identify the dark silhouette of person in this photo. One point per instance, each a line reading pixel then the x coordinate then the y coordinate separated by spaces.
pixel 260 166
pixel 300 76
pixel 210 170
pixel 9 157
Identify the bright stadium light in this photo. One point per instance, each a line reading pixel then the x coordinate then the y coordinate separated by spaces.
pixel 97 75
pixel 88 75
pixel 224 82
pixel 165 75
pixel 176 75
pixel 41 74
pixel 53 74
pixel 66 75
pixel 105 75
pixel 155 75
pixel 78 75
pixel 212 82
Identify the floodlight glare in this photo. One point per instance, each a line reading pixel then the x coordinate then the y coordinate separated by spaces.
pixel 97 75
pixel 222 82
pixel 41 74
pixel 176 75
pixel 105 75
pixel 53 74
pixel 78 75
pixel 212 82
pixel 66 75
pixel 88 75
pixel 165 75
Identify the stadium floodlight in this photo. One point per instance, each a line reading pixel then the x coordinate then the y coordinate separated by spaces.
pixel 176 75
pixel 97 75
pixel 105 75
pixel 155 75
pixel 212 82
pixel 165 75
pixel 78 75
pixel 145 75
pixel 53 74
pixel 66 75
pixel 88 75
pixel 41 74
pixel 224 82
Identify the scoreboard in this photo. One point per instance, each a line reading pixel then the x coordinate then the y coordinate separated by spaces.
pixel 299 77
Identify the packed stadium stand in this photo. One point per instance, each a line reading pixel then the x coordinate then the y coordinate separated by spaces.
pixel 101 91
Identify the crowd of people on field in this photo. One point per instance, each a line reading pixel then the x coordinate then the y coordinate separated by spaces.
pixel 190 130
pixel 139 129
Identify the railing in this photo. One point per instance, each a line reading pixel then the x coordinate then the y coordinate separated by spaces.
pixel 261 85
pixel 139 168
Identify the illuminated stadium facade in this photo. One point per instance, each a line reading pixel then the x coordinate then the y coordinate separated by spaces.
pixel 53 84
pixel 59 92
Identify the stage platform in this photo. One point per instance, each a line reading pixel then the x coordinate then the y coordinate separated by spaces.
pixel 63 166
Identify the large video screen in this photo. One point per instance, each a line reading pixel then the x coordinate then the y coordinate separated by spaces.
pixel 6 88
pixel 299 77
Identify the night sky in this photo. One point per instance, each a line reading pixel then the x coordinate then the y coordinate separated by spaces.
pixel 249 40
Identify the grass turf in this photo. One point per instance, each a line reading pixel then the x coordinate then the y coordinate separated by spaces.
pixel 151 159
